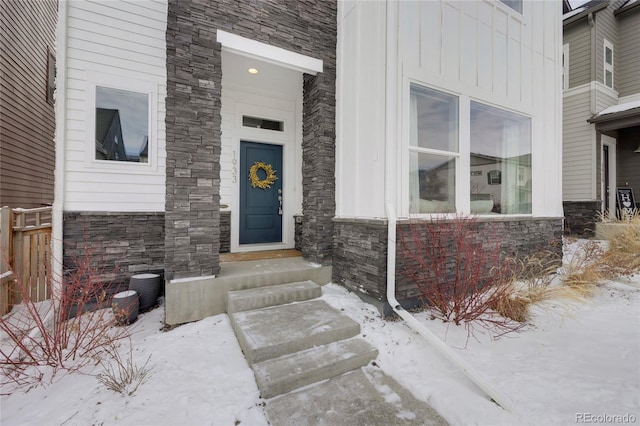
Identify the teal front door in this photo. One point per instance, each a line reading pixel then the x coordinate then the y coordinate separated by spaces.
pixel 260 193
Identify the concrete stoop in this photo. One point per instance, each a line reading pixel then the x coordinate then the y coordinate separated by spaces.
pixel 298 343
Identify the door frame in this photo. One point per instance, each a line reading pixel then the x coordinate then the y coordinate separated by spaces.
pixel 291 170
pixel 611 145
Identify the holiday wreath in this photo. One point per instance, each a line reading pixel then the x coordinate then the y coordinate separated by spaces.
pixel 267 181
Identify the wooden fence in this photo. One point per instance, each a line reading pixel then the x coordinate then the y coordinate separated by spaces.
pixel 25 254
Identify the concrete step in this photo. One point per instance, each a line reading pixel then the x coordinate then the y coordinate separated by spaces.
pixel 282 330
pixel 284 374
pixel 362 397
pixel 263 297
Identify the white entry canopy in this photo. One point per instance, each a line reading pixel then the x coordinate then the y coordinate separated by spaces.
pixel 272 54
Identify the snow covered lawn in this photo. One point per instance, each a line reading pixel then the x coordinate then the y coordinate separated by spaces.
pixel 561 370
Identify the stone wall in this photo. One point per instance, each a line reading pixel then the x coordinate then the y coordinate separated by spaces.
pixel 580 218
pixel 119 244
pixel 360 253
pixel 194 83
pixel 225 232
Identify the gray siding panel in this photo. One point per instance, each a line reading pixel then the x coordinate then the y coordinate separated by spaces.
pixel 579 39
pixel 577 167
pixel 629 54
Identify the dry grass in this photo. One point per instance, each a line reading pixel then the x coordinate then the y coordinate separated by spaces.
pixel 623 256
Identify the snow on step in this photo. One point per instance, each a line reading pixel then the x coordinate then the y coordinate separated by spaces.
pixel 281 330
pixel 262 297
pixel 284 374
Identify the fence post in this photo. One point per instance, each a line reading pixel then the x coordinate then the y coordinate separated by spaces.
pixel 6 231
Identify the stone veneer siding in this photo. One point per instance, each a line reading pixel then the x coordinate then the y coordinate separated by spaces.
pixel 225 232
pixel 360 253
pixel 580 218
pixel 194 80
pixel 120 244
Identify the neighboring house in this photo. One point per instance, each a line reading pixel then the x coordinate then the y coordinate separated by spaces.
pixel 601 109
pixel 27 122
pixel 288 124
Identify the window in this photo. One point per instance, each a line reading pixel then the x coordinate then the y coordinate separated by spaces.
pixel 121 125
pixel 262 123
pixel 565 66
pixel 500 143
pixel 608 64
pixel 514 4
pixel 433 151
pixel 51 76
pixel 497 144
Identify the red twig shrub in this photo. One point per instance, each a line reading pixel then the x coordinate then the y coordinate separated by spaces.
pixel 459 271
pixel 64 334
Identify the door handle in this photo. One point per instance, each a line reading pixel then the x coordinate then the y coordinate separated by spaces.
pixel 280 202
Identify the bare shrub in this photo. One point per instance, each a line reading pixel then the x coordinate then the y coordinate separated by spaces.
pixel 63 334
pixel 122 375
pixel 459 273
pixel 622 258
pixel 583 268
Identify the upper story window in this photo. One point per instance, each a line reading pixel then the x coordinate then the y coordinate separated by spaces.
pixel 122 125
pixel 608 64
pixel 514 4
pixel 565 66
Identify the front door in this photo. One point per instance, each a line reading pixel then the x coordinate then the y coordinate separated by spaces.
pixel 260 193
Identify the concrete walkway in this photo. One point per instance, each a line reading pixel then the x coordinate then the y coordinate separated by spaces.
pixel 311 365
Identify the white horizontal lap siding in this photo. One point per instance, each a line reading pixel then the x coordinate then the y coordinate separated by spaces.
pixel 113 41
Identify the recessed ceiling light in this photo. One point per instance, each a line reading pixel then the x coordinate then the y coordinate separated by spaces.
pixel 252 71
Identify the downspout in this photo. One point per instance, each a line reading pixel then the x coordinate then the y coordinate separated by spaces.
pixel 394 92
pixel 60 145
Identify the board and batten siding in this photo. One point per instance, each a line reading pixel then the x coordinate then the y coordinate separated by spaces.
pixel 629 53
pixel 27 122
pixel 113 43
pixel 578 148
pixel 483 50
pixel 578 36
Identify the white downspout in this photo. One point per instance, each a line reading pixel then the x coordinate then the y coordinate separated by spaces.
pixel 60 147
pixel 393 120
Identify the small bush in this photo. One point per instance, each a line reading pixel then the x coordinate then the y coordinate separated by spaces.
pixel 622 258
pixel 459 274
pixel 122 376
pixel 64 334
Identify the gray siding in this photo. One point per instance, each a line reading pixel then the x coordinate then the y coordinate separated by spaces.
pixel 577 152
pixel 629 54
pixel 579 39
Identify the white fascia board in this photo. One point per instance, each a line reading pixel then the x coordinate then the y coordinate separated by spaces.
pixel 272 54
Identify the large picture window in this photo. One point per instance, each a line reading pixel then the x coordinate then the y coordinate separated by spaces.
pixel 496 148
pixel 122 125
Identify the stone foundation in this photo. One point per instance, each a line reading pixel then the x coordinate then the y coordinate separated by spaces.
pixel 360 250
pixel 119 245
pixel 225 232
pixel 580 218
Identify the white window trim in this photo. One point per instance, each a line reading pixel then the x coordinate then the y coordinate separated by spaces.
pixel 607 66
pixel 463 160
pixel 95 79
pixel 565 66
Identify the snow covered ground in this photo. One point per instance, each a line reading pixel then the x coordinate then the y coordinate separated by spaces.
pixel 583 368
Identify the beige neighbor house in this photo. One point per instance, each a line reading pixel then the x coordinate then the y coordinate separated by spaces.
pixel 601 122
pixel 27 123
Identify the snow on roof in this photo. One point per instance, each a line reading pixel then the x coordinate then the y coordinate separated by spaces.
pixel 619 108
pixel 573 13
